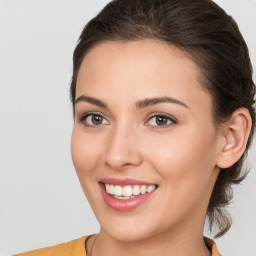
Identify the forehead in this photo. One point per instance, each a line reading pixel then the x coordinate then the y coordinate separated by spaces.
pixel 146 54
pixel 139 68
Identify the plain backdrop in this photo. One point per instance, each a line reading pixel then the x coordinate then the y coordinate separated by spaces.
pixel 41 202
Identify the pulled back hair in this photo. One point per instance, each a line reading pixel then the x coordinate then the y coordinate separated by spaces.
pixel 210 38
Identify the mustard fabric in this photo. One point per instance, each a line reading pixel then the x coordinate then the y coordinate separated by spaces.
pixel 77 248
pixel 212 246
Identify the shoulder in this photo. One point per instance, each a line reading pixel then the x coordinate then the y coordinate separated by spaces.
pixel 72 248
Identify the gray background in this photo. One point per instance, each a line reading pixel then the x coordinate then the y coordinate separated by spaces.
pixel 41 202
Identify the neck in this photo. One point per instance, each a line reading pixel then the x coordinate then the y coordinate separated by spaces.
pixel 164 244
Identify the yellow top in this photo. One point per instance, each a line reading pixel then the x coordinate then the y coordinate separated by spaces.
pixel 77 248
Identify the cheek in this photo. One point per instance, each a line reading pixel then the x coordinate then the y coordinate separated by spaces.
pixel 185 161
pixel 85 152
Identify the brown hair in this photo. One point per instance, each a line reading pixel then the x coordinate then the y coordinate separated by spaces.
pixel 211 38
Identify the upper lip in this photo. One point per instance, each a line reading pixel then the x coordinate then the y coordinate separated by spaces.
pixel 124 182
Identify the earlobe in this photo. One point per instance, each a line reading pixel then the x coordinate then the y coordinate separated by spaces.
pixel 237 130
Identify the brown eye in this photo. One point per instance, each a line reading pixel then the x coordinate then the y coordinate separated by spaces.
pixel 96 119
pixel 93 120
pixel 161 120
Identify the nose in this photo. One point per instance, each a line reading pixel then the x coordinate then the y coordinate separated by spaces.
pixel 122 149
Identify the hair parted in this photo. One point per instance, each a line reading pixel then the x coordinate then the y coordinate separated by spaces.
pixel 211 38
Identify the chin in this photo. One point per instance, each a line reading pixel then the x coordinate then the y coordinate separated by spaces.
pixel 128 235
pixel 128 229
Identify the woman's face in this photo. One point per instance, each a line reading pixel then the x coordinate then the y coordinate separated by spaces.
pixel 142 123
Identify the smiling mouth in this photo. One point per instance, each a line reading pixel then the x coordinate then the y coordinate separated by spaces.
pixel 128 191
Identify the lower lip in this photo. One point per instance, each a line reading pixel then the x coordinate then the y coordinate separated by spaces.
pixel 124 204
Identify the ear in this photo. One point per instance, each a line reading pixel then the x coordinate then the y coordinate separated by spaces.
pixel 235 133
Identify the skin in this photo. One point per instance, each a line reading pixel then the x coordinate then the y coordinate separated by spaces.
pixel 181 157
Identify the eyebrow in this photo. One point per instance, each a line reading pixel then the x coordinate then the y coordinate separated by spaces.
pixel 156 100
pixel 139 104
pixel 91 100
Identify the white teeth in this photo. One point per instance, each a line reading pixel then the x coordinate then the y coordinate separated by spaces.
pixel 136 190
pixel 127 192
pixel 123 197
pixel 143 189
pixel 107 188
pixel 118 191
pixel 111 189
pixel 151 188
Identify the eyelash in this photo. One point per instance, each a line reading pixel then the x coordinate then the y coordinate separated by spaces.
pixel 154 115
pixel 84 116
pixel 169 118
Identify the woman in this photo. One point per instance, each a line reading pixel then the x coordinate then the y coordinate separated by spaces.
pixel 164 115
